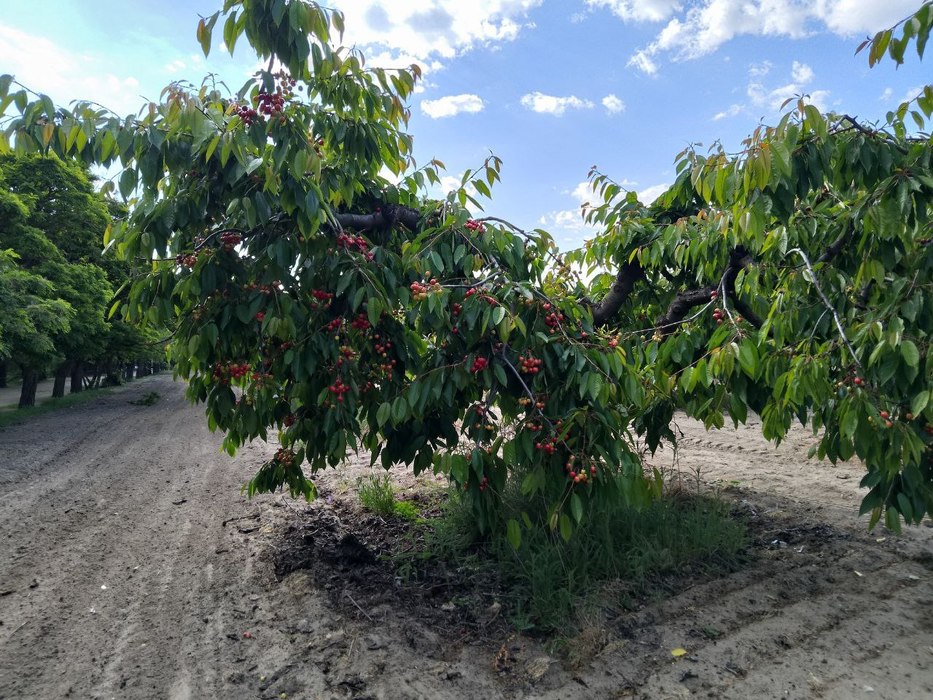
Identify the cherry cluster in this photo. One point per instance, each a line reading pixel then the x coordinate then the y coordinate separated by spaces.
pixel 322 296
pixel 479 364
pixel 285 457
pixel 539 403
pixel 334 325
pixel 457 308
pixel 549 445
pixel 475 226
pixel 260 316
pixel 361 323
pixel 261 378
pixel 338 389
pixel 188 260
pixel 530 365
pixel 483 483
pixel 553 319
pixel 225 371
pixel 419 292
pixel 270 103
pixel 578 476
pixel 230 239
pixel 347 354
pixel 719 316
pixel 247 114
pixel 381 348
pixel 358 243
pixel 289 420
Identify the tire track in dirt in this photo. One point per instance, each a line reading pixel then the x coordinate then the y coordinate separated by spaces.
pixel 120 507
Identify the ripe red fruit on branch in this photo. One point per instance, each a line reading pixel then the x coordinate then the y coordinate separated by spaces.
pixel 530 364
pixel 479 364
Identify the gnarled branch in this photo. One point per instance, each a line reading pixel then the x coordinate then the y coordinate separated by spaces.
pixel 629 273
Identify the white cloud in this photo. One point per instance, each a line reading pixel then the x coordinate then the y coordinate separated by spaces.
pixel 29 58
pixel 613 104
pixel 731 111
pixel 452 105
pixel 429 32
pixel 886 95
pixel 566 220
pixel 642 61
pixel 649 194
pixel 551 104
pixel 774 98
pixel 638 10
pixel 801 73
pixel 700 28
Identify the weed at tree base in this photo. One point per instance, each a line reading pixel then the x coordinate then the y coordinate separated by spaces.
pixel 377 495
pixel 617 557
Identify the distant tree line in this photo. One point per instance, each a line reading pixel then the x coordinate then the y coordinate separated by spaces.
pixel 57 283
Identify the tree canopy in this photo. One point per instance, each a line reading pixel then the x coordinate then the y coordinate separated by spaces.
pixel 316 290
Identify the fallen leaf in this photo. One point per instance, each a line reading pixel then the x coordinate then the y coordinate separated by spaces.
pixel 857 573
pixel 247 635
pixel 678 652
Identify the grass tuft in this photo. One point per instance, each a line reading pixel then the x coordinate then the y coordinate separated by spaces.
pixel 377 495
pixel 617 557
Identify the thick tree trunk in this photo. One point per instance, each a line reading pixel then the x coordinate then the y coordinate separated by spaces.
pixel 2 375
pixel 61 375
pixel 77 377
pixel 27 395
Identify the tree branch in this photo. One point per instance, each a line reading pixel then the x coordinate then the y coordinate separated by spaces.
pixel 387 216
pixel 836 246
pixel 629 274
pixel 739 259
pixel 676 313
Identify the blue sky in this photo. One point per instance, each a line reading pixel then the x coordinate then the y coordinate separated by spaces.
pixel 550 86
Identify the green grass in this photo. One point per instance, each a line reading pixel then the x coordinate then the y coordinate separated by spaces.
pixel 617 557
pixel 377 495
pixel 10 415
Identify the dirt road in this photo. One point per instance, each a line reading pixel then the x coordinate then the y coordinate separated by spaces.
pixel 132 567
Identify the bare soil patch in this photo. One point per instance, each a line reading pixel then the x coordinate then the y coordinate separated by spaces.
pixel 132 567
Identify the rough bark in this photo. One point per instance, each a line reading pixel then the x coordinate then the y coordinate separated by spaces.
pixel 628 275
pixel 61 376
pixel 77 377
pixel 27 394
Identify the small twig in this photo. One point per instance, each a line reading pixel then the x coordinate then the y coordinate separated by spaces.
pixel 242 517
pixel 350 597
pixel 827 303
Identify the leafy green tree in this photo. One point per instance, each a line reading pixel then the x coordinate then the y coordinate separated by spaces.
pixel 312 296
pixel 62 241
pixel 32 317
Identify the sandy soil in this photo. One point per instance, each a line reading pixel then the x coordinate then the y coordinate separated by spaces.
pixel 132 567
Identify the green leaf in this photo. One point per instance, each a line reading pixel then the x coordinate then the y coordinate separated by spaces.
pixel 910 353
pixel 576 507
pixel 566 527
pixel 920 402
pixel 514 533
